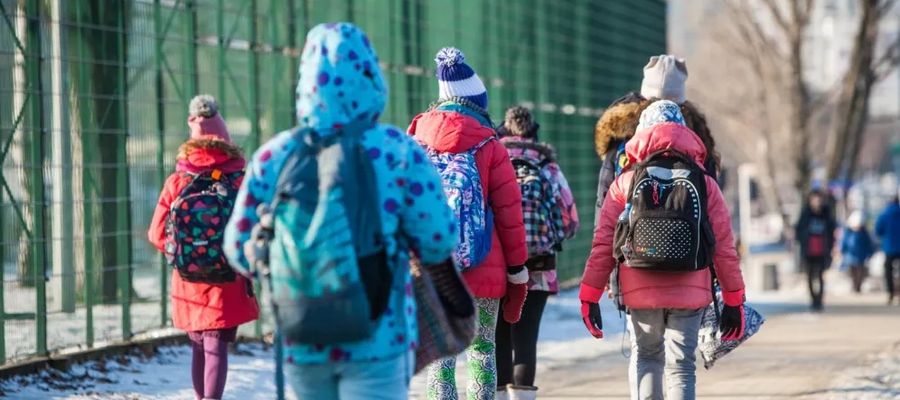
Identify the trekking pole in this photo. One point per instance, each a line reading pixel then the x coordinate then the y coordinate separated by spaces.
pixel 279 367
pixel 276 339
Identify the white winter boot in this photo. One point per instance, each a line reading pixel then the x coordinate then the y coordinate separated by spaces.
pixel 522 392
pixel 501 394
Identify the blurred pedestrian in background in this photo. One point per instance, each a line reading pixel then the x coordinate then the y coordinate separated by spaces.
pixel 550 218
pixel 887 228
pixel 856 248
pixel 815 234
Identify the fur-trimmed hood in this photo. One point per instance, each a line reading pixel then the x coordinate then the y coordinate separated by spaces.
pixel 518 146
pixel 617 123
pixel 203 154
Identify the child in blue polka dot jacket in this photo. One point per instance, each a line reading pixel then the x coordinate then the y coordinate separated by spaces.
pixel 341 85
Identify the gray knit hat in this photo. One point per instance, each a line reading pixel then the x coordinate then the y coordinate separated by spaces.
pixel 664 78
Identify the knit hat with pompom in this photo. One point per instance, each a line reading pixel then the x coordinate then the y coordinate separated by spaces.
pixel 458 79
pixel 204 119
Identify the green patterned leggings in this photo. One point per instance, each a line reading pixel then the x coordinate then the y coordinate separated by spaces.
pixel 481 357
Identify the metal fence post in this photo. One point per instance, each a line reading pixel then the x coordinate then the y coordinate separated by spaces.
pixel 158 40
pixel 191 26
pixel 123 203
pixel 36 159
pixel 220 32
pixel 254 110
pixel 61 214
pixel 88 196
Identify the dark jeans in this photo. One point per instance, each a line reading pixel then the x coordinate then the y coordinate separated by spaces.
pixel 890 272
pixel 815 269
pixel 517 343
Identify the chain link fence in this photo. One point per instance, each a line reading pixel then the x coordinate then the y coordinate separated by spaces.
pixel 93 103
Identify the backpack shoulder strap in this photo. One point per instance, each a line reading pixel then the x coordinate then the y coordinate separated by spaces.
pixel 517 161
pixel 670 153
pixel 481 144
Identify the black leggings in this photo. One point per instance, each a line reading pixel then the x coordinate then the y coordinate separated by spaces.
pixel 815 269
pixel 517 344
pixel 890 266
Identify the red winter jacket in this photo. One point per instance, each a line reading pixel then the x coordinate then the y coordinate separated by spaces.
pixel 649 289
pixel 202 306
pixel 450 131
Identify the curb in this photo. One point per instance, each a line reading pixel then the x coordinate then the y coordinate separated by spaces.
pixel 64 361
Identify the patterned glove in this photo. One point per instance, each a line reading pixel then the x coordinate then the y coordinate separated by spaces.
pixel 516 291
pixel 732 322
pixel 590 310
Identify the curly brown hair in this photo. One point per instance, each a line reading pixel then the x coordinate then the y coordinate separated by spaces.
pixel 696 121
pixel 518 121
pixel 232 150
pixel 618 122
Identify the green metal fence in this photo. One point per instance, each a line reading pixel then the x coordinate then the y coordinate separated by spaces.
pixel 93 98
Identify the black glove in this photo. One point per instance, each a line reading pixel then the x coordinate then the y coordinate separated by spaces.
pixel 732 319
pixel 451 289
pixel 732 323
pixel 590 315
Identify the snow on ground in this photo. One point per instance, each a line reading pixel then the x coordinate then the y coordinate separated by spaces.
pixel 878 379
pixel 164 376
pixel 563 340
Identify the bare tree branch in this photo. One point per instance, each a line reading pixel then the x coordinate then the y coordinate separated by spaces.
pixel 752 30
pixel 778 16
pixel 805 12
pixel 888 61
pixel 884 8
pixel 748 34
pixel 851 113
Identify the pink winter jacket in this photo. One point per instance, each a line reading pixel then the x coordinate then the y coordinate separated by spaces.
pixel 652 289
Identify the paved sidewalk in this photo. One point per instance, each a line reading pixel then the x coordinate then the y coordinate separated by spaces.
pixel 796 354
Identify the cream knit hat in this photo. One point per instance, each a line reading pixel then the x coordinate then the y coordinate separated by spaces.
pixel 664 78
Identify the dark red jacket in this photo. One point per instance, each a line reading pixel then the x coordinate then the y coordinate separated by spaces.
pixel 450 131
pixel 202 306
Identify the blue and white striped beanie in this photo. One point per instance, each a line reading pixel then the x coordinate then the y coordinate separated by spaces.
pixel 658 112
pixel 458 79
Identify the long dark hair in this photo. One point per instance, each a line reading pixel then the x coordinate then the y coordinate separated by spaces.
pixel 696 121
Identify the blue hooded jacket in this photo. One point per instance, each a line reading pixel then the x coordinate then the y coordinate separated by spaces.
pixel 887 228
pixel 341 84
pixel 856 246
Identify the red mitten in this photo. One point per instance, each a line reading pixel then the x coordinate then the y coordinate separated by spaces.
pixel 516 291
pixel 512 304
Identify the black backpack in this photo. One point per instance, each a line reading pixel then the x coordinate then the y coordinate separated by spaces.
pixel 665 226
